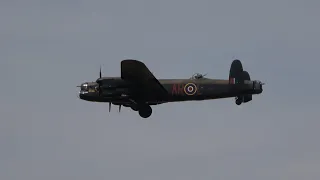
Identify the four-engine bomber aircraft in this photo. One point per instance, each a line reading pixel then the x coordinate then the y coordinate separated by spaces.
pixel 138 89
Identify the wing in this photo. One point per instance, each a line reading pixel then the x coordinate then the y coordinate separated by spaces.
pixel 138 73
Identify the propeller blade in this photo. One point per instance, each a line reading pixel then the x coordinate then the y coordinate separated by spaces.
pixel 99 86
pixel 109 106
pixel 119 107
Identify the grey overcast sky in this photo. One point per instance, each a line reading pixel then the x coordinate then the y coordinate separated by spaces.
pixel 47 48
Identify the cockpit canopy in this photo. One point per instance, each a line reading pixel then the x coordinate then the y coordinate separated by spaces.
pixel 198 76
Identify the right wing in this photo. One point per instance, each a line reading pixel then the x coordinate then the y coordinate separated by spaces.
pixel 138 73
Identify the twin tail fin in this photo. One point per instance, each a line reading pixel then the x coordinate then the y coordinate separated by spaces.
pixel 238 76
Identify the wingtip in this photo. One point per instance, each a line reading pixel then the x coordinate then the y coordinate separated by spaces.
pixel 131 61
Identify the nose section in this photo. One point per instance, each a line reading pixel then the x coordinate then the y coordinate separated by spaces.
pixel 83 89
pixel 79 95
pixel 84 95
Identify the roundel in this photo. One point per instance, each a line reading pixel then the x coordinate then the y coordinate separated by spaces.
pixel 190 89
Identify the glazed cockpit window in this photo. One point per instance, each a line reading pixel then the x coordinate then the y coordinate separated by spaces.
pixel 92 89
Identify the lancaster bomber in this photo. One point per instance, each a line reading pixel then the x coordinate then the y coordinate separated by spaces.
pixel 139 89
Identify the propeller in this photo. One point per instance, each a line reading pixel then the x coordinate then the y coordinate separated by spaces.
pixel 110 107
pixel 99 86
pixel 100 75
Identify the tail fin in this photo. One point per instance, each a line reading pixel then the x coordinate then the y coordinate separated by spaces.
pixel 238 76
pixel 236 70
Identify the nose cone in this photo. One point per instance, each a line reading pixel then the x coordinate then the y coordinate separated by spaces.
pixel 81 95
pixel 88 91
pixel 83 90
pixel 84 96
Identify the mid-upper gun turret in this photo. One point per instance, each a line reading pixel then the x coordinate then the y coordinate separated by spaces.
pixel 198 76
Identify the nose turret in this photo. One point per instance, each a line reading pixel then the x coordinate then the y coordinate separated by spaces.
pixel 84 86
pixel 84 89
pixel 88 90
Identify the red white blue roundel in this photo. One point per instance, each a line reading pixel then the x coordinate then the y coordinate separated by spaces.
pixel 190 89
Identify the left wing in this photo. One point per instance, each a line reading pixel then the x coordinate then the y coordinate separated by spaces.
pixel 138 73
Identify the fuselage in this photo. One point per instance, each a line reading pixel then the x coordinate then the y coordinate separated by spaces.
pixel 119 91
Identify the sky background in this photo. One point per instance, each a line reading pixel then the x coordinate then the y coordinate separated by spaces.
pixel 47 48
